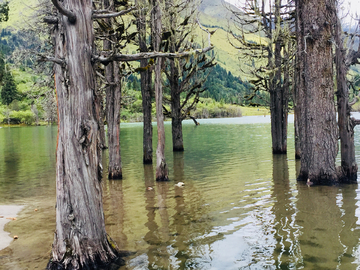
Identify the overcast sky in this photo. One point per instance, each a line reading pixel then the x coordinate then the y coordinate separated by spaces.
pixel 353 6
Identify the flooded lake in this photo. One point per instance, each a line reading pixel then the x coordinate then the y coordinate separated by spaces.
pixel 241 207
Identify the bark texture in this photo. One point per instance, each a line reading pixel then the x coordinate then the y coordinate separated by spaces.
pixel 113 104
pixel 80 240
pixel 161 166
pixel 145 90
pixel 278 94
pixel 318 131
pixel 346 125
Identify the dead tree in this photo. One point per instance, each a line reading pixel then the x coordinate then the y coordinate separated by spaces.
pixel 273 77
pixel 184 76
pixel 145 74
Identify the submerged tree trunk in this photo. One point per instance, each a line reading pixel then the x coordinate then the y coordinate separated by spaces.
pixel 278 94
pixel 80 240
pixel 161 166
pixel 176 116
pixel 113 103
pixel 346 126
pixel 145 76
pixel 318 129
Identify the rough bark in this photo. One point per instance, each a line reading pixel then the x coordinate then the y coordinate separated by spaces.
pixel 346 126
pixel 297 77
pixel 278 94
pixel 176 116
pixel 318 129
pixel 145 91
pixel 161 166
pixel 80 240
pixel 113 104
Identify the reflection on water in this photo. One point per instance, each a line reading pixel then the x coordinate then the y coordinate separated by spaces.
pixel 240 208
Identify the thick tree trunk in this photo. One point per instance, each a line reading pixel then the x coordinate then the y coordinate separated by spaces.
pixel 318 129
pixel 113 104
pixel 145 91
pixel 161 166
pixel 278 95
pixel 346 126
pixel 80 240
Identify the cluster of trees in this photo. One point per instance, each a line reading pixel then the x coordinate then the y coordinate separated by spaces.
pixel 298 41
pixel 84 60
pixel 88 61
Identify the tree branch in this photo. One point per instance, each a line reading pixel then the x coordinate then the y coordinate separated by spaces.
pixel 106 14
pixel 71 16
pixel 51 20
pixel 148 55
pixel 45 58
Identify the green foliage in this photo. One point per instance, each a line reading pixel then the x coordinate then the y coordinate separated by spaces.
pixel 9 91
pixel 4 12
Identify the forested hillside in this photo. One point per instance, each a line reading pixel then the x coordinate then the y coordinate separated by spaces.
pixel 33 103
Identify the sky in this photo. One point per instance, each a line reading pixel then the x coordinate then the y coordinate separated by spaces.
pixel 353 6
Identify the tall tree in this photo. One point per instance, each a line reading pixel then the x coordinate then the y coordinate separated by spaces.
pixel 185 76
pixel 161 166
pixel 267 19
pixel 9 91
pixel 80 240
pixel 318 132
pixel 346 124
pixel 113 99
pixel 145 75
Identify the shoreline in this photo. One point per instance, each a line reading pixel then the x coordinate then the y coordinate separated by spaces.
pixel 6 212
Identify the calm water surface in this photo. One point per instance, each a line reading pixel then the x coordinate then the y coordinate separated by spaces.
pixel 240 208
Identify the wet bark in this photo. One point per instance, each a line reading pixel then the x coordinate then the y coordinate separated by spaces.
pixel 161 166
pixel 346 126
pixel 145 91
pixel 318 129
pixel 278 94
pixel 113 104
pixel 80 240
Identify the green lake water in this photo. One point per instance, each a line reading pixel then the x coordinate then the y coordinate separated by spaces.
pixel 241 207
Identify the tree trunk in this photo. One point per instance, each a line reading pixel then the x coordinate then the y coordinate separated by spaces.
pixel 318 130
pixel 278 94
pixel 346 126
pixel 176 123
pixel 145 91
pixel 297 77
pixel 80 240
pixel 161 166
pixel 176 115
pixel 113 104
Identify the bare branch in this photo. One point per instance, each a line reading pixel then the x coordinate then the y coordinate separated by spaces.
pixel 100 13
pixel 51 20
pixel 44 58
pixel 71 16
pixel 148 55
pixel 206 30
